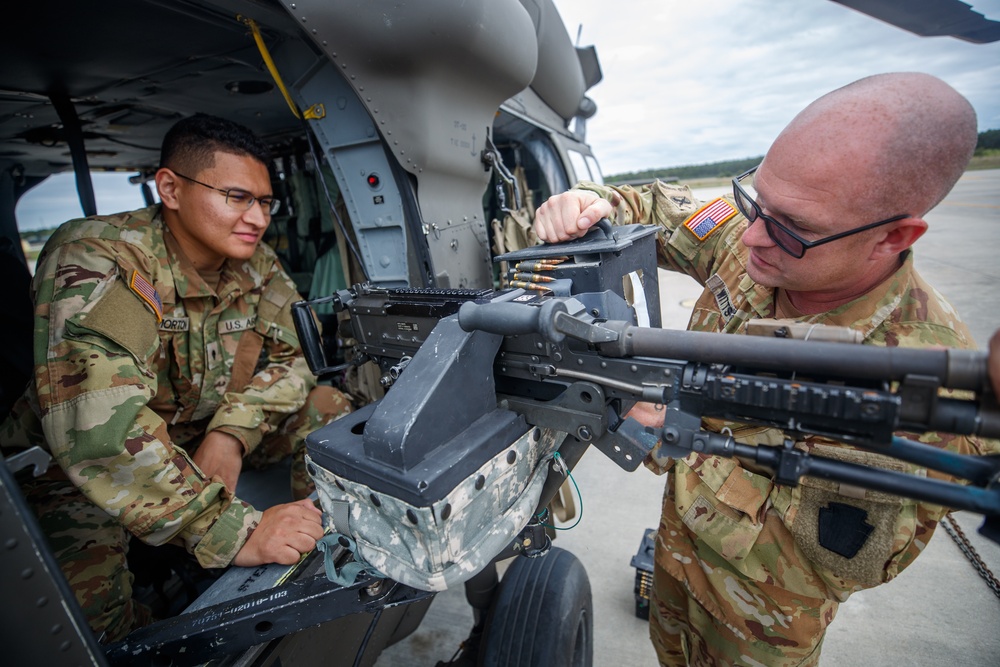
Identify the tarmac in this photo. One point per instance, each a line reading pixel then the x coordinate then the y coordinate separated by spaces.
pixel 938 611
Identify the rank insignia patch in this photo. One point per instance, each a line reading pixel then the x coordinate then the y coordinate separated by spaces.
pixel 709 217
pixel 145 291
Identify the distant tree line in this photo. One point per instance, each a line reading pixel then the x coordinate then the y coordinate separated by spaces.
pixel 988 140
pixel 725 169
pixel 37 236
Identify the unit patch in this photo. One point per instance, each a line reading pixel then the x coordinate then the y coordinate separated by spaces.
pixel 145 291
pixel 709 217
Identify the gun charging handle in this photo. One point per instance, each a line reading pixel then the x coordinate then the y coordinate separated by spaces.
pixel 509 319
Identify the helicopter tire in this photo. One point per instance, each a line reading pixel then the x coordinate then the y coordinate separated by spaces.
pixel 542 615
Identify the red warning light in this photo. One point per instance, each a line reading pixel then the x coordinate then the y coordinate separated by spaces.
pixel 373 181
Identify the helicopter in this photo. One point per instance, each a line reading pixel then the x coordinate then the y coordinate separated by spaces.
pixel 400 132
pixel 388 123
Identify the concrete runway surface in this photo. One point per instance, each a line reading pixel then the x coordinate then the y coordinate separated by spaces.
pixel 939 611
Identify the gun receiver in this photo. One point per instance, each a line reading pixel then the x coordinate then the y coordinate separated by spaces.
pixel 559 370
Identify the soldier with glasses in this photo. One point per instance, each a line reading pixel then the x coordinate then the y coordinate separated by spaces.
pixel 820 232
pixel 165 360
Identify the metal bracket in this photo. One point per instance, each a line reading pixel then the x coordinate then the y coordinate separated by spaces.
pixel 532 541
pixel 792 464
pixel 627 445
pixel 40 620
pixel 490 157
pixel 578 411
pixel 35 457
pixel 918 398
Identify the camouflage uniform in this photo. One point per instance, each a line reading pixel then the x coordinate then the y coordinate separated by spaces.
pixel 137 358
pixel 741 575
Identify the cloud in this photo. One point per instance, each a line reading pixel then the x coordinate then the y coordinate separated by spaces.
pixel 687 83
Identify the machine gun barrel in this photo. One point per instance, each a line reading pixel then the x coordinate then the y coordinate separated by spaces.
pixel 920 371
pixel 956 369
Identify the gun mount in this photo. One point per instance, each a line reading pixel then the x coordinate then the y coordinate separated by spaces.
pixel 491 393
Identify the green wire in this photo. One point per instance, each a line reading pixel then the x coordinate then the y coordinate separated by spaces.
pixel 579 495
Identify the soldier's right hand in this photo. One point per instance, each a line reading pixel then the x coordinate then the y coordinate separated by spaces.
pixel 569 215
pixel 285 533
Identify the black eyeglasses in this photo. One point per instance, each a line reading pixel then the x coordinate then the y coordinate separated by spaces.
pixel 241 199
pixel 782 236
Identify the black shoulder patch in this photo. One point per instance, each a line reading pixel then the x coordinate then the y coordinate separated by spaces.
pixel 843 529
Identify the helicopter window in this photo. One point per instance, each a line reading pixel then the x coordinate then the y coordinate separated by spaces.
pixel 536 163
pixel 552 175
pixel 595 169
pixel 580 166
pixel 54 201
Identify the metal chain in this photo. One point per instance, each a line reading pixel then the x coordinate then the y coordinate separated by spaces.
pixel 955 532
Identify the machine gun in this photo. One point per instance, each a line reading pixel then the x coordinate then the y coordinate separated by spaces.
pixel 495 394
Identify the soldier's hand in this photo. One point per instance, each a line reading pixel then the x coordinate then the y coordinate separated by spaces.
pixel 220 455
pixel 569 215
pixel 648 414
pixel 285 533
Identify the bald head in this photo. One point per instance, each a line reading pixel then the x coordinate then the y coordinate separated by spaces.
pixel 894 143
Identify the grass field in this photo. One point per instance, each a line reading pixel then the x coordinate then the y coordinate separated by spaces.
pixel 989 159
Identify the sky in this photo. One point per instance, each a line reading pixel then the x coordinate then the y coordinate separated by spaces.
pixel 55 200
pixel 693 82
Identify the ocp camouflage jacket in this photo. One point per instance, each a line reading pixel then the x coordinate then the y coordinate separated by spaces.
pixel 136 356
pixel 741 518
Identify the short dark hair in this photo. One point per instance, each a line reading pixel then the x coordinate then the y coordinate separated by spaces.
pixel 190 145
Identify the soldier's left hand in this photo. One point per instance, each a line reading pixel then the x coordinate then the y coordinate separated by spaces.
pixel 648 414
pixel 284 533
pixel 220 455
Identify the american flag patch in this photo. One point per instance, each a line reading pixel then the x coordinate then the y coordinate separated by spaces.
pixel 147 293
pixel 709 217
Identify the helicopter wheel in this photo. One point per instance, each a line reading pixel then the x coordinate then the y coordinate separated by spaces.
pixel 542 615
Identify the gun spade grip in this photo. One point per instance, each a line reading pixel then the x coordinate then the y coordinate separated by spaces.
pixel 605 226
pixel 505 319
pixel 308 332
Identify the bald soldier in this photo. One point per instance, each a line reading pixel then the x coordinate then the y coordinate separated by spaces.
pixel 747 571
pixel 166 358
